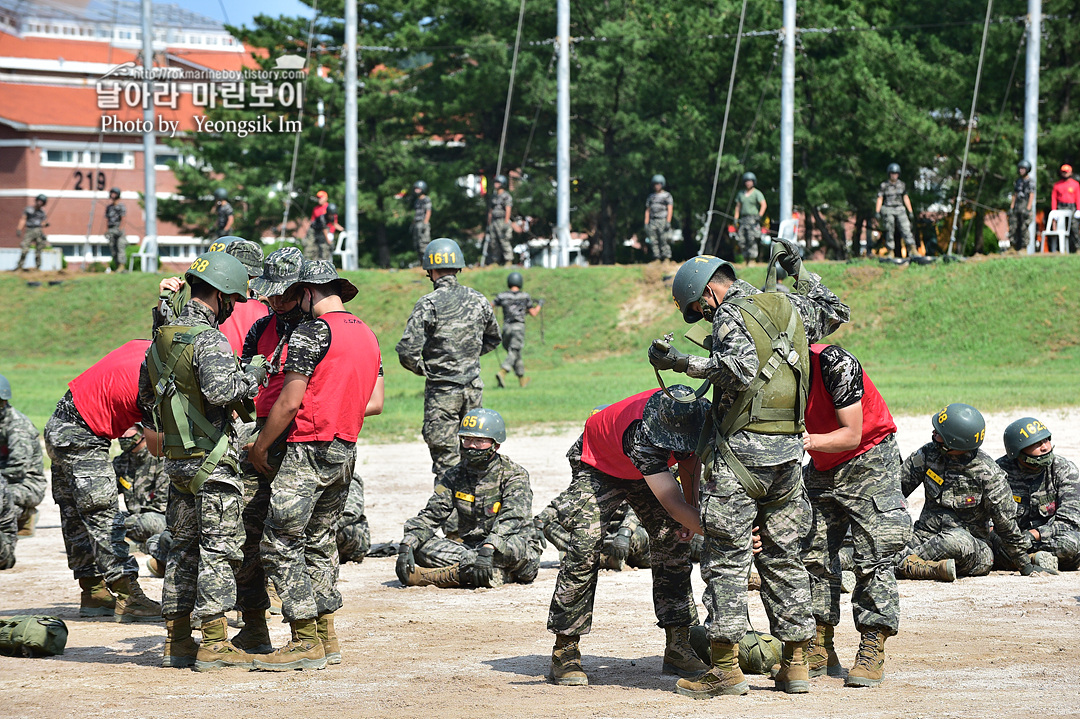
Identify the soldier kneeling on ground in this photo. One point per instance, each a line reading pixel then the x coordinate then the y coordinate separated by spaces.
pixel 1046 490
pixel 145 486
pixel 497 541
pixel 353 532
pixel 965 491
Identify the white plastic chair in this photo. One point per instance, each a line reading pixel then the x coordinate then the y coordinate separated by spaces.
pixel 1061 222
pixel 147 255
pixel 789 229
pixel 341 249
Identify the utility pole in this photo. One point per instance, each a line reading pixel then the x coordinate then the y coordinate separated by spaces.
pixel 1031 104
pixel 787 111
pixel 562 149
pixel 149 140
pixel 352 145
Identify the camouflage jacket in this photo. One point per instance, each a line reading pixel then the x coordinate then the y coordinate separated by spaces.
pixel 420 209
pixel 493 505
pixel 733 364
pixel 447 332
pixel 142 482
pixel 1047 500
pixel 498 204
pixel 221 380
pixel 657 204
pixel 968 492
pixel 1022 190
pixel 514 305
pixel 223 211
pixel 892 193
pixel 20 450
pixel 114 214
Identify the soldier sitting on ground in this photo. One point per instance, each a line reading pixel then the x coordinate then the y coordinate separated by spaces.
pixel 145 486
pixel 1046 489
pixel 21 463
pixel 353 531
pixel 964 492
pixel 497 541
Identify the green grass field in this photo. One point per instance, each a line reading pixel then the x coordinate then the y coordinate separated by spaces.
pixel 998 333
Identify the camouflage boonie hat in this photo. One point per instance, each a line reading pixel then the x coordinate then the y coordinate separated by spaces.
pixel 280 272
pixel 249 253
pixel 672 425
pixel 322 272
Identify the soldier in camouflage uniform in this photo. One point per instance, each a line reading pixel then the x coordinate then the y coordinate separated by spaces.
pixel 114 232
pixel 964 492
pixel 626 542
pixel 191 357
pixel 499 228
pixel 659 208
pixel 892 208
pixel 1046 489
pixel 443 340
pixel 752 465
pixel 331 374
pixel 144 484
pixel 223 216
pixel 1023 197
pixel 515 304
pixel 853 483
pixel 9 527
pixel 316 246
pixel 497 541
pixel 30 230
pixel 625 455
pixel 420 230
pixel 353 532
pixel 750 208
pixel 100 405
pixel 21 463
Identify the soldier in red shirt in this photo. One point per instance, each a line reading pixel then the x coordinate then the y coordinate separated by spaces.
pixel 1066 196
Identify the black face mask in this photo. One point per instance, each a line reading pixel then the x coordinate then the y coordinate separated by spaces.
pixel 294 316
pixel 477 458
pixel 707 310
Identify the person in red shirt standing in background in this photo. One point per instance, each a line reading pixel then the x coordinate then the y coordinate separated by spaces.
pixel 853 482
pixel 316 244
pixel 1066 196
pixel 100 406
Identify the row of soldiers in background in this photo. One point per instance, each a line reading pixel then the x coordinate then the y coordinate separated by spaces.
pixel 499 231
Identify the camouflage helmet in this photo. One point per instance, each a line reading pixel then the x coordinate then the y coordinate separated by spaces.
pixel 893 167
pixel 1024 433
pixel 322 272
pixel 42 199
pixel 501 179
pixel 674 425
pixel 221 194
pixel 961 426
pixel 221 271
pixel 420 185
pixel 1023 165
pixel 281 270
pixel 659 180
pixel 690 281
pixel 481 422
pixel 749 176
pixel 5 388
pixel 514 279
pixel 249 253
pixel 443 254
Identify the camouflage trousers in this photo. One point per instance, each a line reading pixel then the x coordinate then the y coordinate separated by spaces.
pixel 9 528
pixel 748 236
pixel 1019 221
pixel 27 493
pixel 444 407
pixel 117 246
pixel 861 495
pixel 421 237
pixel 500 231
pixel 316 246
pixel 973 555
pixel 1074 231
pixel 84 486
pixel 299 546
pixel 251 578
pixel 894 219
pixel 1064 545
pixel 205 553
pixel 142 525
pixel 513 341
pixel 590 500
pixel 33 237
pixel 517 559
pixel 656 234
pixel 353 533
pixel 727 516
pixel 158 546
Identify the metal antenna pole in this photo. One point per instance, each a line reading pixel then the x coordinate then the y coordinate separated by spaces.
pixel 787 111
pixel 149 140
pixel 1031 103
pixel 562 154
pixel 352 145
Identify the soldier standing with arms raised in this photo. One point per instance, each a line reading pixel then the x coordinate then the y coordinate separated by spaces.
pixel 659 209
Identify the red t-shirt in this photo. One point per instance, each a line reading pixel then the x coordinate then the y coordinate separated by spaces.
pixel 1065 191
pixel 602 446
pixel 107 394
pixel 240 321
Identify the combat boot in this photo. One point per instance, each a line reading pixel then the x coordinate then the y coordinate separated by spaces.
pixel 753 583
pixel 155 568
pixel 28 523
pixel 304 651
pixel 914 567
pixel 869 667
pixel 1044 559
pixel 445 577
pixel 254 638
pixel 821 656
pixel 131 604
pixel 523 381
pixel 724 678
pixel 216 651
pixel 794 674
pixel 275 600
pixel 328 637
pixel 96 599
pixel 566 663
pixel 679 657
pixel 180 648
pixel 500 378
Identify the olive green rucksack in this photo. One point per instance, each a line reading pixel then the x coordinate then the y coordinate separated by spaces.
pixel 32 635
pixel 758 652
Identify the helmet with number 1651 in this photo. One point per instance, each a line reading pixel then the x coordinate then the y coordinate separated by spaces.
pixel 483 422
pixel 443 254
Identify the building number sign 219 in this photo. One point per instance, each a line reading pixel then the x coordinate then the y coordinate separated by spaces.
pixel 89 180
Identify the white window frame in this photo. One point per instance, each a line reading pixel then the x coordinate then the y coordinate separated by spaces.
pixel 87 159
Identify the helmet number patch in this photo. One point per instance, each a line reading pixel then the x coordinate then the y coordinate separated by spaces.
pixel 200 265
pixel 442 258
pixel 942 416
pixel 473 422
pixel 1032 428
pixel 981 435
pixel 217 247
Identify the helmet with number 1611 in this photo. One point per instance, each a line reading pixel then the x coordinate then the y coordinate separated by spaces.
pixel 443 254
pixel 961 426
pixel 483 422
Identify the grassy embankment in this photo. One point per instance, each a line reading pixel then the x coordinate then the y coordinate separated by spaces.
pixel 998 333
